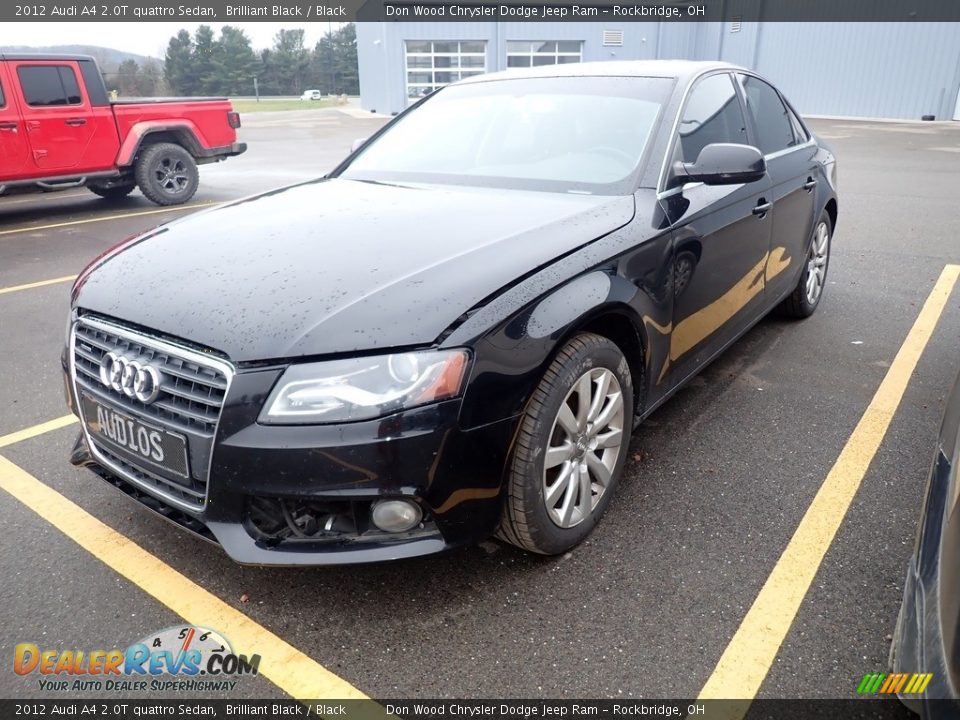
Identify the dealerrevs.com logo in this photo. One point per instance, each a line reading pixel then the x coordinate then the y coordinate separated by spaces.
pixel 179 658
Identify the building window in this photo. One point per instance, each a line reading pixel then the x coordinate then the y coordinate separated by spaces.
pixel 431 64
pixel 526 53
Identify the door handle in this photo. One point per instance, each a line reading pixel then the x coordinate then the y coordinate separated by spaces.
pixel 33 125
pixel 762 208
pixel 75 122
pixel 8 126
pixel 810 184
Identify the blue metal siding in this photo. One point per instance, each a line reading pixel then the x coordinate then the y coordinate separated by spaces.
pixel 882 70
pixel 893 70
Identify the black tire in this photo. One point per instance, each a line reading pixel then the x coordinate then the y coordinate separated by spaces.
pixel 798 304
pixel 526 521
pixel 114 192
pixel 167 174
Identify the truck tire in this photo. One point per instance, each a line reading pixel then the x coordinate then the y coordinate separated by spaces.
pixel 167 174
pixel 112 192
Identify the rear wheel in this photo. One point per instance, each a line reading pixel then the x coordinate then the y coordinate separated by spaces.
pixel 571 447
pixel 167 174
pixel 113 192
pixel 805 297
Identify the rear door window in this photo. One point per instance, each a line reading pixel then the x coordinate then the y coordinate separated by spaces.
pixel 774 128
pixel 49 85
pixel 712 115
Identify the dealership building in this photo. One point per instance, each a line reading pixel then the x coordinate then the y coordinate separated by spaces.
pixel 867 70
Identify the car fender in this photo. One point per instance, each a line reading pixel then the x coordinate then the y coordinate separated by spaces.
pixel 511 359
pixel 185 131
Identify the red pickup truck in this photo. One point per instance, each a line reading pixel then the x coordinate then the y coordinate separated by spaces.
pixel 59 129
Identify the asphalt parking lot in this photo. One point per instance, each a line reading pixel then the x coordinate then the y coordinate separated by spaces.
pixel 718 482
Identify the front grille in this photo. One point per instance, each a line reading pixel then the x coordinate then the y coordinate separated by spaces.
pixel 192 391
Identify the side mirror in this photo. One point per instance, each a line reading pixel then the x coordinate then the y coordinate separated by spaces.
pixel 722 164
pixel 357 144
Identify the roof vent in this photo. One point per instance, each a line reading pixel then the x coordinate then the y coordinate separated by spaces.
pixel 612 38
pixel 736 23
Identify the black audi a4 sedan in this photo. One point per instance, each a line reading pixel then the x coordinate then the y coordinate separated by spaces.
pixel 455 332
pixel 927 637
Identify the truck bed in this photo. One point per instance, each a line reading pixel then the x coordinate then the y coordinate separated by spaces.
pixel 146 100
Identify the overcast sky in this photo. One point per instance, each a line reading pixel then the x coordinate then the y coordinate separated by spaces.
pixel 145 38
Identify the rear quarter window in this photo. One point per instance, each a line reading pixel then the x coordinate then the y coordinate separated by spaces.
pixel 49 85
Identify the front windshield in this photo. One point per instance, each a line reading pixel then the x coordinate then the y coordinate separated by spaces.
pixel 566 134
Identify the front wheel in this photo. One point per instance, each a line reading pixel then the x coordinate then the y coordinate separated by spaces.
pixel 167 174
pixel 805 297
pixel 570 449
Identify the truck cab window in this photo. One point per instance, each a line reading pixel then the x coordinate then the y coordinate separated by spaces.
pixel 49 85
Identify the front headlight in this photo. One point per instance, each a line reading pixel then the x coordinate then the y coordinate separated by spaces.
pixel 364 388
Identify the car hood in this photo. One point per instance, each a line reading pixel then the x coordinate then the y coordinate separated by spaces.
pixel 337 265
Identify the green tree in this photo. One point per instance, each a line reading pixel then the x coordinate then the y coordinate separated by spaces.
pixel 235 63
pixel 149 79
pixel 126 78
pixel 333 66
pixel 204 61
pixel 286 65
pixel 178 64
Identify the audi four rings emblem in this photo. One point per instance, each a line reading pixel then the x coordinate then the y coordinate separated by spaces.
pixel 134 378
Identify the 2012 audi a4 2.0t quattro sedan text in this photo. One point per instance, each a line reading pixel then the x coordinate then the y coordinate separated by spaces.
pixel 454 333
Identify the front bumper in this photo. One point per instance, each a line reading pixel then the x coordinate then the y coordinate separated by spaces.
pixel 259 474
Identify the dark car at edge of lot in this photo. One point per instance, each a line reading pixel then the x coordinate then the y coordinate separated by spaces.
pixel 927 636
pixel 455 332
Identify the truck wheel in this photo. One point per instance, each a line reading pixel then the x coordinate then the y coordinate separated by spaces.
pixel 570 450
pixel 167 174
pixel 113 192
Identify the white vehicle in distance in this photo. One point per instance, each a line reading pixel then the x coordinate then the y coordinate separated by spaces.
pixel 311 95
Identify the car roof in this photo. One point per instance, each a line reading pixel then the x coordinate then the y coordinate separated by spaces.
pixel 683 70
pixel 44 56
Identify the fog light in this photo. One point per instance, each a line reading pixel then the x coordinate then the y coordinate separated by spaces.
pixel 396 515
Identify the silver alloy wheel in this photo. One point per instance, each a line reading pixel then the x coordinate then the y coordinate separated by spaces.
pixel 817 263
pixel 171 175
pixel 584 446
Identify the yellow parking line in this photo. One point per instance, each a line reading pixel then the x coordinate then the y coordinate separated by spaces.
pixel 36 430
pixel 39 283
pixel 286 667
pixel 105 218
pixel 753 649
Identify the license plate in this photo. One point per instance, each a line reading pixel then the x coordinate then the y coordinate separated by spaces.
pixel 134 440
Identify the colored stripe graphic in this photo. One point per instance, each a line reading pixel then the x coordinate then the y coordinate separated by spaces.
pixel 894 683
pixel 890 682
pixel 915 681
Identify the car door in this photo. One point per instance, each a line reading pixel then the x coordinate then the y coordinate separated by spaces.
pixel 721 236
pixel 13 144
pixel 790 155
pixel 54 114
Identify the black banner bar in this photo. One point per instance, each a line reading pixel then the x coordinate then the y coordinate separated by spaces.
pixel 405 709
pixel 302 11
